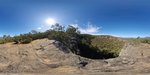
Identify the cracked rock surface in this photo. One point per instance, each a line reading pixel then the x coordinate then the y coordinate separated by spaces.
pixel 44 56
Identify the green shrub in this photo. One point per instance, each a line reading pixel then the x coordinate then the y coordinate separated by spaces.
pixel 6 39
pixel 16 39
pixel 26 41
pixel 22 39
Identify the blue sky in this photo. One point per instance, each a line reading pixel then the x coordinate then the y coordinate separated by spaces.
pixel 126 18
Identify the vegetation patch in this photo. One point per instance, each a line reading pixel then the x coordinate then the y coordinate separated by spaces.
pixel 145 40
pixel 139 40
pixel 108 44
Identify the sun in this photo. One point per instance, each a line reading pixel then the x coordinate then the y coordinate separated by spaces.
pixel 50 21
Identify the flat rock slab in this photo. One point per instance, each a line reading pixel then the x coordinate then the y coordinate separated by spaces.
pixel 136 50
pixel 101 73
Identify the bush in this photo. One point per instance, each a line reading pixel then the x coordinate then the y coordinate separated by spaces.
pixel 22 39
pixel 6 39
pixel 26 41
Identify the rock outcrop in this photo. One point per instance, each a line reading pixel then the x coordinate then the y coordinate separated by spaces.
pixel 139 50
pixel 42 56
pixel 38 56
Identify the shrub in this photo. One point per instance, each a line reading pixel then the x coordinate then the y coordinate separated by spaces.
pixel 26 41
pixel 16 39
pixel 6 39
pixel 22 39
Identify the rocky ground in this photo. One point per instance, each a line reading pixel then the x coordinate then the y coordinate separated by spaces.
pixel 44 56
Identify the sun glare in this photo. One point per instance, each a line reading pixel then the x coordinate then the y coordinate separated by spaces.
pixel 50 21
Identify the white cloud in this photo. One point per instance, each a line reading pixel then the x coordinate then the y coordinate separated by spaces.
pixel 89 29
pixel 43 28
pixel 75 25
pixel 39 28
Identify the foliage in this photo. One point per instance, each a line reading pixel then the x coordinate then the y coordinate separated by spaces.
pixel 6 39
pixel 145 40
pixel 26 41
pixel 139 40
pixel 23 39
pixel 2 41
pixel 68 37
pixel 108 44
pixel 86 38
pixel 57 33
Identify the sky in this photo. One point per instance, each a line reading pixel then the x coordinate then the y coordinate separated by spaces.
pixel 124 18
